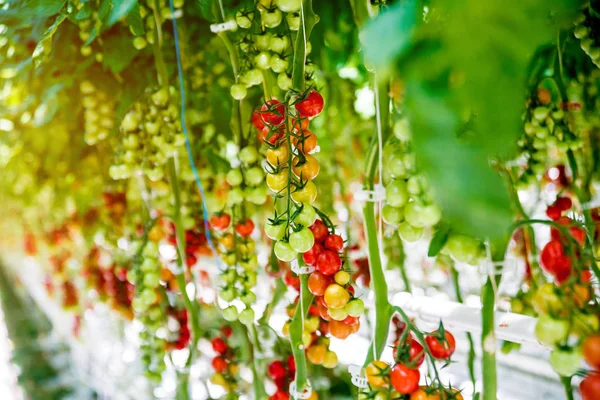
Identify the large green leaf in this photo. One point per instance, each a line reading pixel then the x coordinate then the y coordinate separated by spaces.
pixel 118 52
pixel 44 46
pixel 465 89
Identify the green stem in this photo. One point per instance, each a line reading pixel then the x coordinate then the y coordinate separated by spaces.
pixel 180 237
pixel 308 20
pixel 182 392
pixel 296 329
pixel 257 381
pixel 278 294
pixel 383 311
pixel 459 298
pixel 566 381
pixel 161 67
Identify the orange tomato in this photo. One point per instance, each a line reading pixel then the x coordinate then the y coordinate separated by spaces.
pixel 306 170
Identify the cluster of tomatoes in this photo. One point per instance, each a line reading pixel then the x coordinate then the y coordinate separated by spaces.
pixel 265 45
pixel 282 373
pixel 401 379
pixel 224 363
pixel 237 250
pixel 98 115
pixel 183 333
pixel 195 242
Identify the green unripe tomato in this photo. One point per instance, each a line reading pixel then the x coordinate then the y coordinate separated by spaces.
pixel 550 331
pixel 248 155
pixel 565 362
pixel 396 194
pixel 271 19
pixel 228 294
pixel 257 195
pixel 396 165
pixel 307 216
pixel 235 196
pixel 392 215
pixel 409 233
pixel 238 91
pixel 254 176
pixel 248 298
pixel 402 129
pixel 230 314
pixel 278 64
pixel 337 314
pixel 275 232
pixel 151 279
pixel 284 251
pixel 244 21
pixel 234 177
pixel 302 241
pixel 246 317
pixel 293 20
pixel 263 60
pixel 289 6
pixel 355 308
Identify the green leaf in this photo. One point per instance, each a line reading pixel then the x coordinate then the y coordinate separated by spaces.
pixel 44 47
pixel 37 8
pixel 84 13
pixel 118 52
pixel 397 22
pixel 216 161
pixel 135 21
pixel 120 9
pixel 439 240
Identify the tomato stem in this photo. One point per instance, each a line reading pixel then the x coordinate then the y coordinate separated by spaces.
pixel 566 381
pixel 296 329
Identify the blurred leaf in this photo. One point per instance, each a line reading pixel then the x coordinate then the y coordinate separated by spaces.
pixel 118 52
pixel 206 7
pixel 390 34
pixel 44 46
pixel 216 161
pixel 120 9
pixel 439 240
pixel 135 21
pixel 34 8
pixel 84 12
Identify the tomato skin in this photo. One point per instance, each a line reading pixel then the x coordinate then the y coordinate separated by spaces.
pixel 550 331
pixel 405 380
pixel 278 182
pixel 311 106
pixel 220 222
pixel 319 230
pixel 553 212
pixel 420 394
pixel 563 203
pixel 306 170
pixel 590 387
pixel 219 364
pixel 279 155
pixel 375 373
pixel 280 395
pixel 310 257
pixel 273 138
pixel 308 144
pixel 439 350
pixel 219 345
pixel 276 370
pixel 274 117
pixel 591 350
pixel 257 120
pixel 416 352
pixel 329 262
pixel 306 194
pixel 334 243
pixel 318 283
pixel 336 296
pixel 244 228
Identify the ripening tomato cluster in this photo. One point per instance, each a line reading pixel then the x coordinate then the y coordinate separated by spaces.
pixel 237 250
pixel 195 242
pixel 224 363
pixel 282 373
pixel 402 378
pixel 183 334
pixel 590 386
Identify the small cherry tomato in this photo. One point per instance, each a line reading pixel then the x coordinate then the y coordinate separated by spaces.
pixel 318 283
pixel 219 364
pixel 272 112
pixel 311 106
pixel 441 350
pixel 336 296
pixel 306 169
pixel 307 194
pixel 307 143
pixel 244 228
pixel 279 155
pixel 334 243
pixel 277 182
pixel 271 137
pixel 590 387
pixel 329 262
pixel 311 256
pixel 219 345
pixel 319 230
pixel 276 370
pixel 591 350
pixel 257 120
pixel 377 373
pixel 220 221
pixel 405 380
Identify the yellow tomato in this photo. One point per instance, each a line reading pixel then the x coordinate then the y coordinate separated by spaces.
pixel 307 194
pixel 307 169
pixel 377 373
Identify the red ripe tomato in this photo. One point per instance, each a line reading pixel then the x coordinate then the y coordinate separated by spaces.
pixel 323 312
pixel 553 212
pixel 439 350
pixel 405 380
pixel 245 228
pixel 578 234
pixel 311 256
pixel 562 269
pixel 276 370
pixel 319 231
pixel 317 283
pixel 339 329
pixel 300 125
pixel 257 120
pixel 591 350
pixel 292 280
pixel 269 137
pixel 190 260
pixel 227 331
pixel 311 106
pixel 416 353
pixel 219 345
pixel 329 262
pixel 586 276
pixel 308 144
pixel 313 310
pixel 291 363
pixel 334 242
pixel 280 395
pixel 563 203
pixel 350 320
pixel 590 387
pixel 272 112
pixel 551 252
pixel 219 364
pixel 282 384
